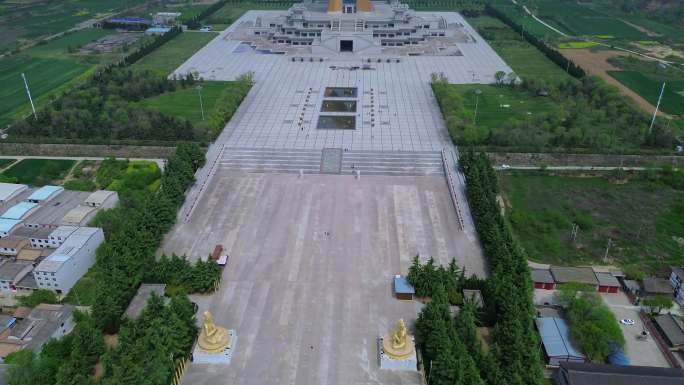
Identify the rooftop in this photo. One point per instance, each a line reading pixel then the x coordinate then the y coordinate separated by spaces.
pixel 41 324
pixel 11 270
pixel 6 225
pixel 19 210
pixel 607 279
pixel 53 212
pixel 542 275
pixel 139 302
pixel 8 190
pixel 12 241
pixel 44 193
pixel 63 232
pixel 555 336
pixel 66 250
pixel 679 272
pixel 574 274
pixel 99 197
pixel 594 374
pixel 76 215
pixel 657 285
pixel 402 286
pixel 28 282
pixel 673 328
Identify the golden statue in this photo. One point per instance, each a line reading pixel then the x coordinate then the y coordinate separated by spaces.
pixel 398 344
pixel 212 338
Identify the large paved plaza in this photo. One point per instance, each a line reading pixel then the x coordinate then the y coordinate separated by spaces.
pixel 307 306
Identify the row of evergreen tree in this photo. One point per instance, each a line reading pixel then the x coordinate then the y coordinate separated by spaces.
pixel 452 354
pixel 553 54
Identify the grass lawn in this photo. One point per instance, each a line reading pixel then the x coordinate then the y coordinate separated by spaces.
pixel 185 103
pixel 83 292
pixel 649 89
pixel 526 60
pixel 577 44
pixel 497 105
pixel 642 218
pixel 6 162
pixel 40 171
pixel 169 56
pixel 59 48
pixel 231 12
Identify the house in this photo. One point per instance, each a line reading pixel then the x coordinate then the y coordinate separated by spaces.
pixel 474 296
pixel 139 302
pixel 43 323
pixel 583 275
pixel 573 373
pixel 403 289
pixel 102 199
pixel 11 272
pixel 79 216
pixel 677 283
pixel 61 270
pixel 607 283
pixel 20 211
pixel 543 279
pixel 8 225
pixel 656 286
pixel 10 190
pixel 671 328
pixel 555 338
pixel 37 237
pixel 157 30
pixel 60 234
pixel 165 18
pixel 44 194
pixel 11 245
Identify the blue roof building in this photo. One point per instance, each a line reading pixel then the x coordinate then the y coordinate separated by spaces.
pixel 45 193
pixel 402 288
pixel 157 30
pixel 555 336
pixel 7 225
pixel 19 211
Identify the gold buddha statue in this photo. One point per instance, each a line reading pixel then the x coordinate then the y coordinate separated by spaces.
pixel 398 344
pixel 212 338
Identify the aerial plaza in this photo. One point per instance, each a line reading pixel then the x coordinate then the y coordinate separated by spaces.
pixel 336 170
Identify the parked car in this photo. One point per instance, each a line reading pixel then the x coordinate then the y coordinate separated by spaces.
pixel 206 28
pixel 627 321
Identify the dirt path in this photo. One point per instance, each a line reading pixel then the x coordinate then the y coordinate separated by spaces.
pixel 596 63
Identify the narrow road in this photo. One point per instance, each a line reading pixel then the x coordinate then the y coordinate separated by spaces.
pixel 587 168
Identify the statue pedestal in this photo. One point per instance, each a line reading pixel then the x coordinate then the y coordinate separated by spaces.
pixel 200 356
pixel 409 363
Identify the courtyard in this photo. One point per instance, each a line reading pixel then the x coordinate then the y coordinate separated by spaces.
pixel 308 283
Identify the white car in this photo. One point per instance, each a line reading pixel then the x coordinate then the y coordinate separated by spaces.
pixel 505 166
pixel 627 321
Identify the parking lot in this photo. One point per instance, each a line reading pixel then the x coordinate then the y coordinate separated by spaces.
pixel 308 283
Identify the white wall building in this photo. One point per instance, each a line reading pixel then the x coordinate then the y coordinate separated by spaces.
pixel 71 260
pixel 45 194
pixel 8 225
pixel 102 198
pixel 60 234
pixel 10 190
pixel 11 272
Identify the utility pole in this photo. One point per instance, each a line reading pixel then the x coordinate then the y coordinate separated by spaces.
pixel 29 96
pixel 477 99
pixel 605 256
pixel 656 109
pixel 199 91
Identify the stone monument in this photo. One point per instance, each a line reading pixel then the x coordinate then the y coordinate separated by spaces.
pixel 397 349
pixel 215 344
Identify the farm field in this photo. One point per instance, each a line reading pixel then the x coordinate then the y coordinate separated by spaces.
pixel 185 103
pixel 231 12
pixel 641 217
pixel 526 60
pixel 172 54
pixel 21 21
pixel 500 104
pixel 48 68
pixel 39 172
pixel 649 89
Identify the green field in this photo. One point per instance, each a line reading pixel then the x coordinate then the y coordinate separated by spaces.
pixel 39 171
pixel 231 12
pixel 497 105
pixel 185 103
pixel 526 60
pixel 642 218
pixel 649 89
pixel 169 56
pixel 6 162
pixel 47 67
pixel 23 20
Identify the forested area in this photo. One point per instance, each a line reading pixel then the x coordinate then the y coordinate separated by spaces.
pixel 135 229
pixel 102 110
pixel 591 115
pixel 181 275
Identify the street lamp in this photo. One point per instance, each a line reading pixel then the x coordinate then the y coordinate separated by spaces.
pixel 477 99
pixel 199 92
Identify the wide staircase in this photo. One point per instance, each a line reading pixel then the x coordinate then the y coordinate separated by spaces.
pixel 254 160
